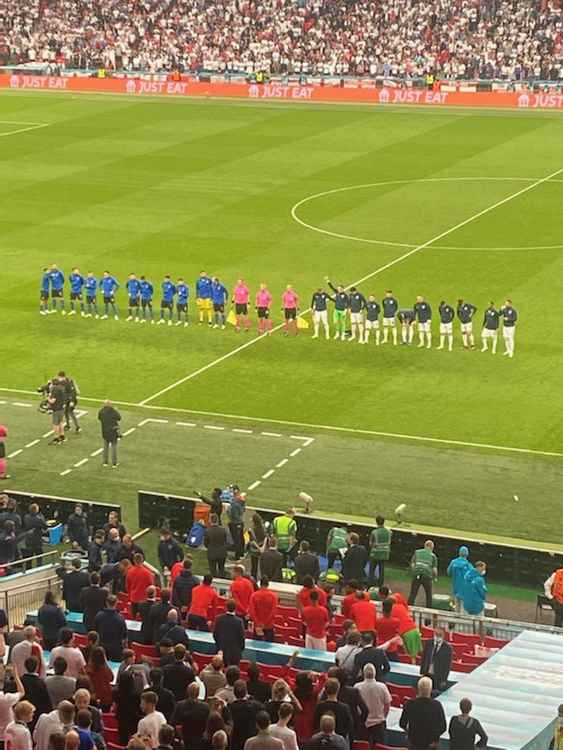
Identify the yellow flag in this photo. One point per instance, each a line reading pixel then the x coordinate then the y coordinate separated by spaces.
pixel 232 318
pixel 302 323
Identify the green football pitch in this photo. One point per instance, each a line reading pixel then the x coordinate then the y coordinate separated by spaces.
pixel 445 204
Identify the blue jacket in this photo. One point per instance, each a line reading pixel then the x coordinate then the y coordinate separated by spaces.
pixel 457 570
pixel 474 592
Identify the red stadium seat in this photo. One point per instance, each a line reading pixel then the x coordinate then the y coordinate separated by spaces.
pixel 297 642
pixel 403 692
pixel 459 666
pixel 80 640
pixel 202 660
pixel 140 650
pixel 113 746
pixel 360 745
pixel 111 735
pixel 490 642
pixel 287 611
pixel 379 746
pixel 472 659
pixel 110 721
pixel 466 638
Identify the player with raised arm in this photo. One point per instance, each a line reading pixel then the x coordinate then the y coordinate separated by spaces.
pixel 357 303
pixel 341 305
pixel 290 307
pixel 203 298
pixel 57 288
pixel 220 297
pixel 91 286
pixel 465 313
pixel 373 309
pixel 320 312
pixel 167 300
pixel 491 322
pixel 447 314
pixel 133 287
pixel 423 313
pixel 406 318
pixel 76 280
pixel 44 293
pixel 241 294
pixel 183 293
pixel 109 285
pixel 390 307
pixel 147 291
pixel 263 302
pixel 509 318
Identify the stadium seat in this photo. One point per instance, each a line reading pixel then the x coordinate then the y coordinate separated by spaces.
pixel 113 746
pixel 379 746
pixel 111 736
pixel 459 666
pixel 288 612
pixel 360 745
pixel 109 721
pixel 403 692
pixel 472 659
pixel 140 650
pixel 202 660
pixel 297 642
pixel 80 640
pixel 490 642
pixel 286 633
pixel 426 633
pixel 467 638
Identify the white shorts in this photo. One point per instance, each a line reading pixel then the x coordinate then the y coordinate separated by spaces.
pixel 319 644
pixel 320 316
pixel 424 327
pixel 389 322
pixel 467 327
pixel 489 334
pixel 372 324
pixel 356 318
pixel 446 328
pixel 508 332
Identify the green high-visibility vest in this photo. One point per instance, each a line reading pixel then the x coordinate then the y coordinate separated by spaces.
pixel 424 562
pixel 284 528
pixel 380 543
pixel 338 539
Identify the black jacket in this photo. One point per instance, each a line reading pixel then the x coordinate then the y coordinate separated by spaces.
pixel 144 609
pixel 166 702
pixel 441 658
pixel 112 630
pixel 182 588
pixel 342 715
pixel 215 539
pixel 36 692
pixel 73 583
pixel 92 600
pixel 352 698
pixel 126 553
pixel 112 549
pixel 110 419
pixel 243 714
pixel 192 715
pixel 77 529
pixel 271 563
pixel 424 721
pixel 175 633
pixel 95 561
pixel 229 637
pixel 375 656
pixel 157 617
pixel 169 552
pixel 51 619
pixel 35 524
pixel 176 677
pixel 354 563
pixel 307 564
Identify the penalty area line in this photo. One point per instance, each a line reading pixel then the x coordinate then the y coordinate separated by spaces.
pixel 362 280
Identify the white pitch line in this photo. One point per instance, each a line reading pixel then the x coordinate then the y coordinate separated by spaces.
pixel 243 432
pixel 268 474
pixel 186 424
pixel 65 472
pixel 295 452
pixel 21 403
pixel 129 431
pixel 33 442
pixel 271 434
pixel 2 403
pixel 212 427
pixel 365 278
pixel 81 463
pixel 24 130
pixel 282 463
pixel 96 453
pixel 15 453
pixel 254 485
pixel 19 122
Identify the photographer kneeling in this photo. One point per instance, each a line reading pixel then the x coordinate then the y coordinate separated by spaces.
pixel 110 419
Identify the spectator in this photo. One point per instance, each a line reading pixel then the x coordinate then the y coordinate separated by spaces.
pixel 137 580
pixel 457 569
pixel 128 549
pixel 59 720
pixel 144 610
pixel 166 702
pixel 281 693
pixel 9 551
pixel 345 655
pixel 72 740
pixel 263 739
pixel 370 654
pixel 51 619
pixel 140 670
pixel 377 698
pixel 285 533
pixel 101 677
pixel 113 522
pixel 258 689
pixel 183 586
pixel 350 598
pixel 73 583
pixel 348 627
pixel 336 542
pixel 166 737
pixel 385 593
pixel 327 737
pixel 242 589
pixel 192 714
pixel 127 707
pixel 236 522
pixel 379 551
pixel 93 598
pixel 315 618
pixel 35 525
pixel 35 690
pixel 177 676
pixel 17 734
pixel 25 648
pixel 77 527
pixel 166 653
pixel 92 641
pixel 424 567
pixel 464 729
pixel 257 540
pixel 213 676
pixel 173 630
pixel 83 729
pixel 158 614
pixel 281 731
pixel 82 701
pixel 350 695
pixel 306 564
pixel 169 551
pixel 474 590
pixel 57 741
pixel 215 541
pixel 73 656
pixel 8 700
pixel 111 627
pixel 553 588
pixel 341 711
pixel 215 502
pixel 307 693
pixel 364 613
pixel 95 548
pixel 271 561
pixel 204 603
pixel 262 610
pixel 423 718
pixel 215 724
pixel 112 546
pixel 59 686
pixel 227 694
pixel 228 633
pixel 153 720
pixel 355 561
pixel 244 711
pixel 437 659
pixel 388 627
pixel 220 740
pixel 304 596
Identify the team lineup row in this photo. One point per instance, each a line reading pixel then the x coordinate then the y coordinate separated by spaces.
pixel 354 315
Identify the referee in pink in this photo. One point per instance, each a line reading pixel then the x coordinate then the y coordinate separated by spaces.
pixel 290 306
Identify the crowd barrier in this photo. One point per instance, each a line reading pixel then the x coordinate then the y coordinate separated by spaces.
pixel 367 94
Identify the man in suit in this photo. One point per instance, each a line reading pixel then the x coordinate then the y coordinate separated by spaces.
pixel 437 659
pixel 306 563
pixel 423 718
pixel 35 690
pixel 192 715
pixel 172 630
pixel 158 614
pixel 355 561
pixel 215 541
pixel 144 609
pixel 73 583
pixel 229 635
pixel 92 600
pixel 271 561
pixel 370 654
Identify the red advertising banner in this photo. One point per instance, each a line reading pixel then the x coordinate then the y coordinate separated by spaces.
pixel 368 95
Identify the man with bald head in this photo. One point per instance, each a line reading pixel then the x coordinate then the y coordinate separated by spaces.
pixel 213 676
pixel 173 630
pixel 423 718
pixel 377 698
pixel 26 648
pixel 110 419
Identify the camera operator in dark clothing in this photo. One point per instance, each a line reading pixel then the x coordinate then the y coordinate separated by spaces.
pixel 71 397
pixel 8 544
pixel 110 419
pixel 77 527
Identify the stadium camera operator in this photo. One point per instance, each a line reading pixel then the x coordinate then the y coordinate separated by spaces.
pixel 56 400
pixel 71 397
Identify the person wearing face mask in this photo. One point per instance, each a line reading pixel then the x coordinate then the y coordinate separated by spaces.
pixel 437 660
pixel 474 590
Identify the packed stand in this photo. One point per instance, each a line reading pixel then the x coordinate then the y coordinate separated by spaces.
pixel 464 39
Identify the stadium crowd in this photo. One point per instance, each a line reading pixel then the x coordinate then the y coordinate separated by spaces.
pixel 463 39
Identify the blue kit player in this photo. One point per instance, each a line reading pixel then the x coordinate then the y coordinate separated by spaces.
pixel 182 295
pixel 133 286
pixel 491 323
pixel 167 301
pixel 219 297
pixel 44 293
pixel 91 287
pixel 373 310
pixel 76 281
pixel 390 307
pixel 109 286
pixel 203 298
pixel 447 315
pixel 57 289
pixel 423 313
pixel 465 313
pixel 147 291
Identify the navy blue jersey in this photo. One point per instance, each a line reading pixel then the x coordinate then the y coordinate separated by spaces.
pixel 45 281
pixel 108 285
pixel 219 293
pixel 447 312
pixel 183 293
pixel 57 279
pixel 76 282
pixel 466 311
pixel 357 302
pixel 373 309
pixel 203 288
pixel 146 289
pixel 91 286
pixel 133 288
pixel 319 301
pixel 390 307
pixel 423 312
pixel 492 319
pixel 406 315
pixel 168 290
pixel 509 316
